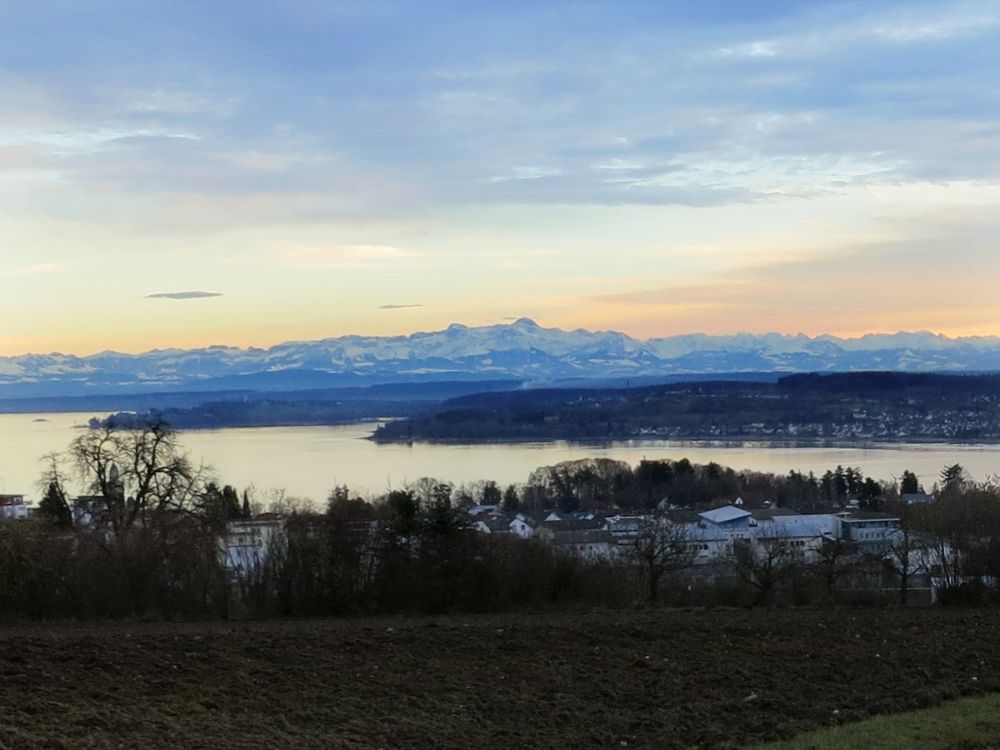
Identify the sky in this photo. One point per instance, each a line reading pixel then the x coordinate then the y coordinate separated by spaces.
pixel 187 173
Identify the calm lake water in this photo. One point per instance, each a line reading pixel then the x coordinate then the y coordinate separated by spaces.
pixel 308 461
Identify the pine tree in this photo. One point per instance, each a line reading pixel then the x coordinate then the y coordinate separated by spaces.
pixel 55 506
pixel 909 485
pixel 511 502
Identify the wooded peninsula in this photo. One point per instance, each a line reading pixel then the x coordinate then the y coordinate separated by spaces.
pixel 871 406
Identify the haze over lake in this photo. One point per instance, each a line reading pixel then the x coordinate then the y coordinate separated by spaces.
pixel 308 461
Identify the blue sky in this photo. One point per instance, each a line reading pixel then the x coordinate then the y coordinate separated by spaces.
pixel 323 168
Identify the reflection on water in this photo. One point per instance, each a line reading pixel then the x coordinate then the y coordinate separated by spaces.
pixel 308 461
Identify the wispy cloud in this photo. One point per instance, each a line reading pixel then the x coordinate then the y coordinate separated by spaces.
pixel 38 269
pixel 339 255
pixel 183 295
pixel 498 116
pixel 398 307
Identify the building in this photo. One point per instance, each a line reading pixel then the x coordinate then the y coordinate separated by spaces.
pixel 625 529
pixel 870 531
pixel 586 543
pixel 714 532
pixel 525 524
pixel 492 524
pixel 916 498
pixel 13 507
pixel 711 534
pixel 247 543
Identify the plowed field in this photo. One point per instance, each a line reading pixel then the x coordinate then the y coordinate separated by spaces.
pixel 673 679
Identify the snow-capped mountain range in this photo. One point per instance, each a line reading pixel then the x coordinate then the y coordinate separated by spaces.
pixel 521 350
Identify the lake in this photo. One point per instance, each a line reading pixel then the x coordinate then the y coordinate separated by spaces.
pixel 308 461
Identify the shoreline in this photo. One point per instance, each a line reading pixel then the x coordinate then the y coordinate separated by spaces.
pixel 746 442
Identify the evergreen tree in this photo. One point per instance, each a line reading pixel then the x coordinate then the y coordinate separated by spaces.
pixel 511 502
pixel 230 502
pixel 952 476
pixel 219 506
pixel 55 506
pixel 870 495
pixel 492 495
pixel 909 485
pixel 340 506
pixel 403 511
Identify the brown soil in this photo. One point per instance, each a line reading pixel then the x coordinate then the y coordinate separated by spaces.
pixel 673 679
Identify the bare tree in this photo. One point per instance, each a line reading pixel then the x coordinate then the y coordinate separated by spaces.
pixel 660 548
pixel 137 471
pixel 958 531
pixel 905 556
pixel 763 562
pixel 835 559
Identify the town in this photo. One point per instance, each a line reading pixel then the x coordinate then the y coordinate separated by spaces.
pixel 916 549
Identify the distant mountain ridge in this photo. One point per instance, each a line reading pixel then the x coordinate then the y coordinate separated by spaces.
pixel 521 350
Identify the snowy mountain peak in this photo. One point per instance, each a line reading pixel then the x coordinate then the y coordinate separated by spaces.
pixel 521 350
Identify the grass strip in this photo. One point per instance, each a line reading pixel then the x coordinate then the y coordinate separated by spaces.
pixel 967 723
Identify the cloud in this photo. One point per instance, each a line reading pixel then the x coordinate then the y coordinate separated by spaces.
pixel 345 255
pixel 183 295
pixel 517 105
pixel 398 307
pixel 37 269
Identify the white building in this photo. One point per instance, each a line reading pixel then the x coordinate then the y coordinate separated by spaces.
pixel 869 530
pixel 247 542
pixel 715 530
pixel 586 543
pixel 625 529
pixel 13 507
pixel 492 524
pixel 711 534
pixel 525 524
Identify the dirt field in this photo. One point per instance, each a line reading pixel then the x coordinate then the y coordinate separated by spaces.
pixel 610 679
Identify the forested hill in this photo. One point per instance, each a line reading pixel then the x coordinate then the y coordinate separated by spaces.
pixel 194 411
pixel 850 406
pixel 869 382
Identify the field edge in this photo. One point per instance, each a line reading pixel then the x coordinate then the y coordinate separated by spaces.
pixel 969 723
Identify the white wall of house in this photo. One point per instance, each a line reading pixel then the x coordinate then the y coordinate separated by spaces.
pixel 594 551
pixel 520 527
pixel 13 507
pixel 247 543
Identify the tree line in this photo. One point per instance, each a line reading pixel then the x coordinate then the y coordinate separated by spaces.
pixel 146 541
pixel 599 483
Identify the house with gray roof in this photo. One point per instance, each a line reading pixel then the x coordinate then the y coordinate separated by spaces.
pixel 728 517
pixel 586 543
pixel 492 524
